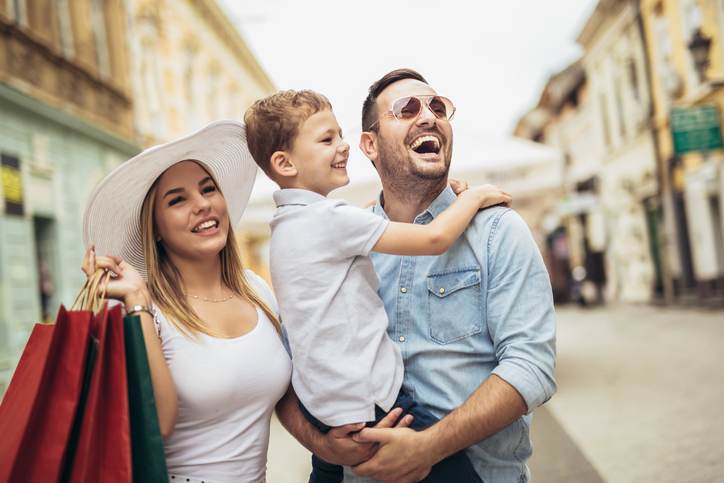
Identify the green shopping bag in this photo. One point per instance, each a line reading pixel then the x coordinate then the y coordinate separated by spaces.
pixel 149 461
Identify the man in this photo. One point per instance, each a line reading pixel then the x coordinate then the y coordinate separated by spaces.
pixel 475 325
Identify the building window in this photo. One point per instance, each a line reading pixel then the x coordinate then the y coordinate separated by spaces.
pixel 633 79
pixel 604 120
pixel 18 11
pixel 98 21
pixel 619 105
pixel 214 94
pixel 189 78
pixel 65 27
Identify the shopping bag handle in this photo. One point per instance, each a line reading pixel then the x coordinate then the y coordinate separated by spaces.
pixel 93 293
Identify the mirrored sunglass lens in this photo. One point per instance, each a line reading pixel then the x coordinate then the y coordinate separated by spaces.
pixel 407 107
pixel 439 107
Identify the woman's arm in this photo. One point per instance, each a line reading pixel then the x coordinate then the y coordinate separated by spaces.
pixel 164 390
pixel 437 236
pixel 128 286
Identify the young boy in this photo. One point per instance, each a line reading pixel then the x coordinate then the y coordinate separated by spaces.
pixel 346 369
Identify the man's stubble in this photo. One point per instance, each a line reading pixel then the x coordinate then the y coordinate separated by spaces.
pixel 408 178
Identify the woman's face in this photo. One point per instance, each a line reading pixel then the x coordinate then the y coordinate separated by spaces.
pixel 190 212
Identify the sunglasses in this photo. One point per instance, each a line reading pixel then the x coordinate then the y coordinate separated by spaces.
pixel 409 107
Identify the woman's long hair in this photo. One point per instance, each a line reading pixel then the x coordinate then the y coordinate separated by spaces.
pixel 166 284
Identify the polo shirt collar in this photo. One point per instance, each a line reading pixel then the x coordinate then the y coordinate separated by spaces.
pixel 444 199
pixel 295 196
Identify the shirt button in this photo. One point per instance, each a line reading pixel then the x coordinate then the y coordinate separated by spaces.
pixel 442 290
pixel 402 338
pixel 403 290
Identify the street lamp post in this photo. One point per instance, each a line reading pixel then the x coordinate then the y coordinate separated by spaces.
pixel 699 46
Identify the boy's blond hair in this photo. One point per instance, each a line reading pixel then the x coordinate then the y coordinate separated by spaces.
pixel 272 123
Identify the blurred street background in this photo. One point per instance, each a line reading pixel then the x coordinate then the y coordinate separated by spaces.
pixel 601 117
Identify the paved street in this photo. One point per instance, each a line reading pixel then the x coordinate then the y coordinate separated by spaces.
pixel 641 392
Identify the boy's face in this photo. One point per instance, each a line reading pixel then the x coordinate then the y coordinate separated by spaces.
pixel 319 154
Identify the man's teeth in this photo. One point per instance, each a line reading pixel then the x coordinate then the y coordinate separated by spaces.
pixel 339 165
pixel 205 225
pixel 418 142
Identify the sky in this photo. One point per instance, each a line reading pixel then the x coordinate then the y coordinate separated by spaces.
pixel 492 58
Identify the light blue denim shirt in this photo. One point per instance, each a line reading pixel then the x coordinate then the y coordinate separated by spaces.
pixel 484 307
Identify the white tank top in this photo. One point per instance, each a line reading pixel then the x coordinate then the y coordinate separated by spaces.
pixel 227 390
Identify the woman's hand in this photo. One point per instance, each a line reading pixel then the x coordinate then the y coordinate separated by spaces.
pixel 489 195
pixel 125 283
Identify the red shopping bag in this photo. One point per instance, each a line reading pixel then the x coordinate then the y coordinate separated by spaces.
pixel 40 404
pixel 103 450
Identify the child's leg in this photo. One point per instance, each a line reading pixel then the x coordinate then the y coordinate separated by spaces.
pixel 454 468
pixel 322 472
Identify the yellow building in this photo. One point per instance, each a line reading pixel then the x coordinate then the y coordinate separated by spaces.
pixel 66 119
pixel 191 66
pixel 686 56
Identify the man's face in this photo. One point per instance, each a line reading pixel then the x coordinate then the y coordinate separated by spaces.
pixel 399 149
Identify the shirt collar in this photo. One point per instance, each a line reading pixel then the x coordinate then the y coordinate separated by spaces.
pixel 295 196
pixel 444 199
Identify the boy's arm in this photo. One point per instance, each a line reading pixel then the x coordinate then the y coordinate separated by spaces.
pixel 437 236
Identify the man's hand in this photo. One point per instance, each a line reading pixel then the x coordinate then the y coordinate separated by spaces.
pixel 339 447
pixel 403 456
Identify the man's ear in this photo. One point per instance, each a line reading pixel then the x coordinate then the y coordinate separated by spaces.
pixel 281 164
pixel 368 145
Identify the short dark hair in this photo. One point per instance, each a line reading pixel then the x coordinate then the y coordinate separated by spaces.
pixel 369 107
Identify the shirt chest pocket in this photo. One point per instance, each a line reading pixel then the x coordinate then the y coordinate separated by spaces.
pixel 454 304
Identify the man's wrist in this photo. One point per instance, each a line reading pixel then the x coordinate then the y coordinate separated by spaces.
pixel 319 445
pixel 430 447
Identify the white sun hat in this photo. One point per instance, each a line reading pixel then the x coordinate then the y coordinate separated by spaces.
pixel 112 218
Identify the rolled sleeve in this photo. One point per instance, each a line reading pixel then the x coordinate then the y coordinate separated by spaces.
pixel 519 311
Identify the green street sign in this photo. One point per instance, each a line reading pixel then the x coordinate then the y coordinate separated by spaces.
pixel 696 128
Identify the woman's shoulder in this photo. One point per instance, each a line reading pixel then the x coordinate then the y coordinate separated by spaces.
pixel 261 287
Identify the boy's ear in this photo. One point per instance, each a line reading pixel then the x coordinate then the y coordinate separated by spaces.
pixel 281 164
pixel 368 145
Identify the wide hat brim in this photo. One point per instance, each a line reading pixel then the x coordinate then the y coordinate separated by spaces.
pixel 112 218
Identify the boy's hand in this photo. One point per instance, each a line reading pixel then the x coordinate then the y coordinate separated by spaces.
pixel 458 186
pixel 489 195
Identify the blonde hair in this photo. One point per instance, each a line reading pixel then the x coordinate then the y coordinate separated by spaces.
pixel 166 284
pixel 272 123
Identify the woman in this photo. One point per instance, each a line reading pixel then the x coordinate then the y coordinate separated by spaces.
pixel 163 221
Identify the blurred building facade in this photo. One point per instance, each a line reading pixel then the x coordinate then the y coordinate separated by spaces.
pixel 66 118
pixel 190 66
pixel 684 42
pixel 85 85
pixel 638 120
pixel 615 66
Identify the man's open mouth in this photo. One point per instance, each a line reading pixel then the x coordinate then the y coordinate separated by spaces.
pixel 426 145
pixel 341 164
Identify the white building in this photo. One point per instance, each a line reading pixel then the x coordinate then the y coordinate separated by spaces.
pixel 615 67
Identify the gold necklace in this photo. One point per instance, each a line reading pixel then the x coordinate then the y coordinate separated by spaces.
pixel 214 301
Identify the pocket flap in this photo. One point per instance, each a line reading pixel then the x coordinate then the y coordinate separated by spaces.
pixel 443 284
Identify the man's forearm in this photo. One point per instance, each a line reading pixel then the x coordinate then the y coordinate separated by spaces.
pixel 294 421
pixel 493 406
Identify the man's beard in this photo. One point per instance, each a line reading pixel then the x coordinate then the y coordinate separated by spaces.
pixel 400 169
